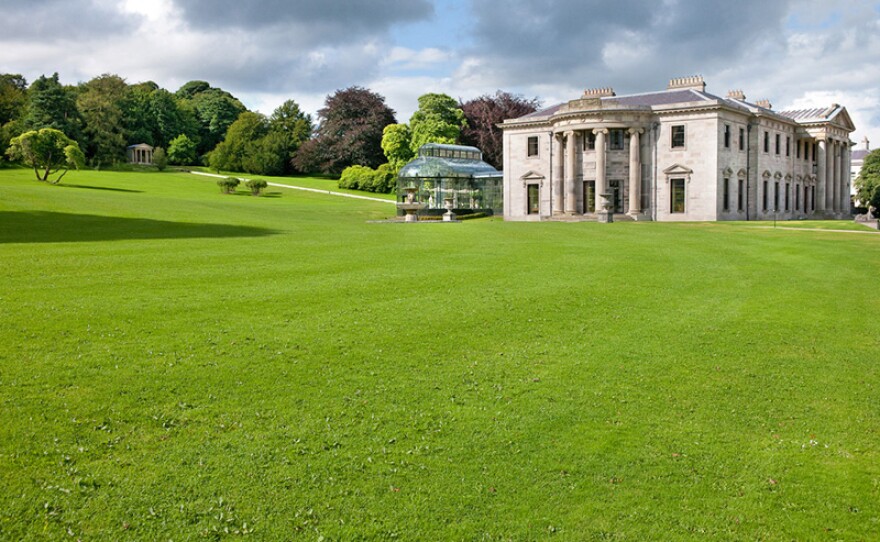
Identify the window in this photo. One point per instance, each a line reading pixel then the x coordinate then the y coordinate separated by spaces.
pixel 726 206
pixel 764 197
pixel 813 198
pixel 742 139
pixel 533 200
pixel 676 196
pixel 799 148
pixel 778 144
pixel 788 145
pixel 589 196
pixel 678 136
pixel 766 141
pixel 787 195
pixel 776 196
pixel 590 141
pixel 797 197
pixel 615 139
pixel 740 194
pixel 726 136
pixel 533 146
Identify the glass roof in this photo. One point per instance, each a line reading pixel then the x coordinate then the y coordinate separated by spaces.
pixel 436 160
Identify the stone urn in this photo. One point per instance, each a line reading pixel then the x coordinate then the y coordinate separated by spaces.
pixel 448 216
pixel 605 215
pixel 409 205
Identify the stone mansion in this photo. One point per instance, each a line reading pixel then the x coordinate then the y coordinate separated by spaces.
pixel 677 154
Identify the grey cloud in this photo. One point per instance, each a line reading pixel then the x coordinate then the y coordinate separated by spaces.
pixel 53 20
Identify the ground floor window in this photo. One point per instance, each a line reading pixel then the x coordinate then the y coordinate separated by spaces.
pixel 776 196
pixel 616 195
pixel 787 196
pixel 589 196
pixel 797 197
pixel 813 198
pixel 676 196
pixel 764 197
pixel 726 206
pixel 534 204
pixel 740 194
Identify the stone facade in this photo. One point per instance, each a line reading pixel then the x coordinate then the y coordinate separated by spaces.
pixel 677 154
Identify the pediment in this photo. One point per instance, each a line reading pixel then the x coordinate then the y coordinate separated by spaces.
pixel 843 120
pixel 766 174
pixel 678 169
pixel 777 175
pixel 741 173
pixel 532 176
pixel 727 172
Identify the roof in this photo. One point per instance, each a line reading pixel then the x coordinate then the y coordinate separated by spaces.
pixel 140 146
pixel 859 154
pixel 432 163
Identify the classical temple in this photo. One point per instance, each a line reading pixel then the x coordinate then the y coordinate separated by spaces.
pixel 677 154
pixel 140 154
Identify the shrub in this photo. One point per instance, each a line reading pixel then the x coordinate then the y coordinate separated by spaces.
pixel 228 185
pixel 256 186
pixel 381 179
pixel 160 159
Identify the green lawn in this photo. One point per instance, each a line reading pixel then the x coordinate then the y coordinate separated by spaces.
pixel 177 364
pixel 303 181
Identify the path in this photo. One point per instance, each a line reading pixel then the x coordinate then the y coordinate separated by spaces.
pixel 316 190
pixel 814 229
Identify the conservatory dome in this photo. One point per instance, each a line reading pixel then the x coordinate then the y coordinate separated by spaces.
pixel 447 161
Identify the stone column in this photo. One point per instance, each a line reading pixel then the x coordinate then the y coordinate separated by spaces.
pixel 836 176
pixel 600 167
pixel 635 172
pixel 845 168
pixel 571 173
pixel 558 175
pixel 820 177
pixel 829 177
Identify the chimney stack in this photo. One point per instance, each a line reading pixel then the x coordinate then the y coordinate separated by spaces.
pixel 736 95
pixel 765 103
pixel 694 82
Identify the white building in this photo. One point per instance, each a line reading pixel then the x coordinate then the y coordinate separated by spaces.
pixel 677 154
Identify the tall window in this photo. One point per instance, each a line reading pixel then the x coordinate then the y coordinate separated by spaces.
pixel 533 146
pixel 764 197
pixel 798 148
pixel 726 136
pixel 534 206
pixel 726 206
pixel 740 194
pixel 676 196
pixel 776 196
pixel 589 196
pixel 615 139
pixel 778 144
pixel 742 139
pixel 678 137
pixel 788 145
pixel 590 141
pixel 797 197
pixel 787 196
pixel 766 141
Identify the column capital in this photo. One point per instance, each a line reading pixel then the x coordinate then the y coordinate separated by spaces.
pixel 569 133
pixel 634 131
pixel 598 131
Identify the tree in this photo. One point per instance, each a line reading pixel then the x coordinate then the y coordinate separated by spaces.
pixel 437 120
pixel 51 105
pixel 868 182
pixel 350 132
pixel 232 151
pixel 483 115
pixel 160 159
pixel 13 97
pixel 214 109
pixel 48 150
pixel 289 128
pixel 256 186
pixel 102 102
pixel 182 151
pixel 396 145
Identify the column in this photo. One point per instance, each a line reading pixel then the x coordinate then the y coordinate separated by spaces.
pixel 571 173
pixel 836 176
pixel 845 168
pixel 820 178
pixel 829 177
pixel 635 172
pixel 558 175
pixel 600 168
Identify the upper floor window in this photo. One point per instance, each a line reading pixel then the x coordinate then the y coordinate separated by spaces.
pixel 615 139
pixel 726 136
pixel 678 136
pixel 533 146
pixel 766 141
pixel 778 144
pixel 799 148
pixel 788 145
pixel 590 141
pixel 742 139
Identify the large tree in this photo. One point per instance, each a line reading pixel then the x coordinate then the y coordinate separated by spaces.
pixel 47 151
pixel 52 105
pixel 483 115
pixel 230 153
pixel 350 133
pixel 437 120
pixel 102 102
pixel 13 98
pixel 289 128
pixel 213 108
pixel 868 182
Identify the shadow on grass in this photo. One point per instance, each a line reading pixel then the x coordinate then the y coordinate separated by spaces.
pixel 51 227
pixel 100 188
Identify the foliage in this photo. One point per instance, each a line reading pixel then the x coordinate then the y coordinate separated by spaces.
pixel 437 120
pixel 48 150
pixel 182 151
pixel 256 186
pixel 396 145
pixel 13 97
pixel 214 110
pixel 868 182
pixel 228 184
pixel 160 159
pixel 102 103
pixel 235 147
pixel 381 179
pixel 484 114
pixel 51 105
pixel 268 155
pixel 350 133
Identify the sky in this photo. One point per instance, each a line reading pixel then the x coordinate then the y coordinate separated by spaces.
pixel 796 53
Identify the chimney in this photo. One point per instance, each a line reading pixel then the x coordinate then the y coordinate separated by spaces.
pixel 694 82
pixel 599 92
pixel 866 143
pixel 736 95
pixel 765 103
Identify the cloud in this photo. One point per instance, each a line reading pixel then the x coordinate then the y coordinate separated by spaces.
pixel 71 19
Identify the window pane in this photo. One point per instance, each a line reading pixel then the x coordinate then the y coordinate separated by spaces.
pixel 533 203
pixel 677 196
pixel 678 136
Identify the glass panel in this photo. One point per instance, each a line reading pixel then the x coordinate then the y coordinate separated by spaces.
pixel 678 136
pixel 589 196
pixel 533 203
pixel 677 196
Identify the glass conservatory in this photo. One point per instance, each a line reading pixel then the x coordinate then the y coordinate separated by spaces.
pixel 453 174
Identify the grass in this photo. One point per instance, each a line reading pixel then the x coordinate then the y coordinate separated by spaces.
pixel 180 364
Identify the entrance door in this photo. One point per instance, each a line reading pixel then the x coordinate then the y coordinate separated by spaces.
pixel 589 197
pixel 616 196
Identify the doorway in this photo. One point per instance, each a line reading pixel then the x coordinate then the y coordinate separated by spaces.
pixel 589 197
